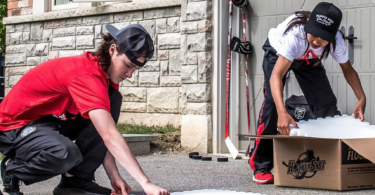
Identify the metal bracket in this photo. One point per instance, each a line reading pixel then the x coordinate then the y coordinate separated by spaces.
pixel 350 39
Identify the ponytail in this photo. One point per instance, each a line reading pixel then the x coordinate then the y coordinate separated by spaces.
pixel 102 51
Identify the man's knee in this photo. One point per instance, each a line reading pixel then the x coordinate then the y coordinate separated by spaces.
pixel 115 96
pixel 66 158
pixel 116 101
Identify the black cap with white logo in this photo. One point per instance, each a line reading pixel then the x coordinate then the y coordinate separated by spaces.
pixel 134 41
pixel 324 21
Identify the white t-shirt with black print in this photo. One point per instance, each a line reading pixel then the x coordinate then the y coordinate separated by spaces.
pixel 292 45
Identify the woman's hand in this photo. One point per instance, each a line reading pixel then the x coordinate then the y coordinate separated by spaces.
pixel 352 78
pixel 283 123
pixel 359 109
pixel 152 189
pixel 280 69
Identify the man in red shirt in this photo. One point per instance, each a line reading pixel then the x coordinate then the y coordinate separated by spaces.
pixel 74 98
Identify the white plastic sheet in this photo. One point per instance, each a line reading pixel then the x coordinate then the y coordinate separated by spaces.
pixel 213 192
pixel 340 127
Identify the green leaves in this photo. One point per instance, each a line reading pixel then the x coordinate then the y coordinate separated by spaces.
pixel 3 13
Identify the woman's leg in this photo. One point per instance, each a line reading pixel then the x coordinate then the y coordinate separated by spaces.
pixel 316 87
pixel 261 156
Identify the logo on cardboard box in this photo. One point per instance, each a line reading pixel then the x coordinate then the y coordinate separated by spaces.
pixel 350 156
pixel 306 166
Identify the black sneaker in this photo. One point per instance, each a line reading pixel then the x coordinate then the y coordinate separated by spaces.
pixel 11 184
pixel 78 186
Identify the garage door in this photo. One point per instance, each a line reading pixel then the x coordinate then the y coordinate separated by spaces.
pixel 266 14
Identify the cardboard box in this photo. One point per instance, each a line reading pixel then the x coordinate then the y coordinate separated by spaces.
pixel 320 163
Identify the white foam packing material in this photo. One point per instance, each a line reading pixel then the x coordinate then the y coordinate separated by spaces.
pixel 340 127
pixel 213 192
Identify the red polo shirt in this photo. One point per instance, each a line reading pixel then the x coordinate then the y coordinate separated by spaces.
pixel 74 84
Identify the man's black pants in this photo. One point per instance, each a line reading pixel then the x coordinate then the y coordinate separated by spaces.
pixel 312 79
pixel 44 148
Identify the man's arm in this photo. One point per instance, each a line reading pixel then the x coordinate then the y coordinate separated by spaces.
pixel 352 78
pixel 117 146
pixel 118 184
pixel 110 167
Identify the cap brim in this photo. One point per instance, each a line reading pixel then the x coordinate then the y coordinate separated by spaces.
pixel 112 30
pixel 318 32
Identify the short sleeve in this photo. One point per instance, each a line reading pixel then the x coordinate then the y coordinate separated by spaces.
pixel 290 47
pixel 89 92
pixel 340 54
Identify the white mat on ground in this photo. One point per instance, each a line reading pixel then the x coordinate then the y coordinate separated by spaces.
pixel 340 127
pixel 213 192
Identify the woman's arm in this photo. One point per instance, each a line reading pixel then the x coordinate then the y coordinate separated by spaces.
pixel 281 67
pixel 352 78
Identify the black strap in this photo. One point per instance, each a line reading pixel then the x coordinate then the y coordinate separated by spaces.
pixel 242 47
pixel 240 3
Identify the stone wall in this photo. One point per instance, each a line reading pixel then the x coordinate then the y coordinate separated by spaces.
pixel 196 69
pixel 173 88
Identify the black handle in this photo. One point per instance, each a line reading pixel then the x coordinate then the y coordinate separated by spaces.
pixel 350 37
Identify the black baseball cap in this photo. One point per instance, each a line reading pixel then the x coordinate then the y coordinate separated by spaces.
pixel 324 21
pixel 134 41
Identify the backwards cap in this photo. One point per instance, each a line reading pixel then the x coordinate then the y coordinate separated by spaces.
pixel 134 41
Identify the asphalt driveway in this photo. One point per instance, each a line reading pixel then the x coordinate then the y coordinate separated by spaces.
pixel 177 172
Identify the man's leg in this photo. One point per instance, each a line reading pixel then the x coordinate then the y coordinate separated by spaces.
pixel 89 141
pixel 36 152
pixel 92 149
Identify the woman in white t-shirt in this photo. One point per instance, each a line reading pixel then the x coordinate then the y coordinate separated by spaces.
pixel 299 44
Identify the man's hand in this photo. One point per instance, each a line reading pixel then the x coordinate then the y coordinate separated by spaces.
pixel 120 187
pixel 152 189
pixel 283 123
pixel 119 150
pixel 359 109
